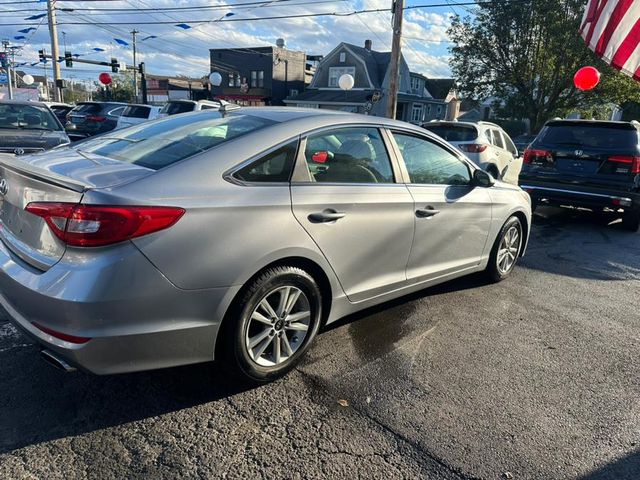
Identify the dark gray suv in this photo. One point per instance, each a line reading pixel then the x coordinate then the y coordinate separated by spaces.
pixel 93 118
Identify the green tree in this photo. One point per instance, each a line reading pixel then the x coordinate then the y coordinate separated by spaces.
pixel 120 89
pixel 526 54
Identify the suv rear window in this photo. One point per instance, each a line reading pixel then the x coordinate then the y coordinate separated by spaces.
pixel 136 111
pixel 613 136
pixel 159 144
pixel 173 108
pixel 88 108
pixel 454 133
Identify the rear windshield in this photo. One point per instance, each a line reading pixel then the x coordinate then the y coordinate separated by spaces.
pixel 594 136
pixel 163 142
pixel 454 133
pixel 173 108
pixel 136 111
pixel 87 108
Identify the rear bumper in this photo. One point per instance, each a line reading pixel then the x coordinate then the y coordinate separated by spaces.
pixel 135 318
pixel 580 196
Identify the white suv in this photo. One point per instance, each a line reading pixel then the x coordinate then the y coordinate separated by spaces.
pixel 173 107
pixel 486 145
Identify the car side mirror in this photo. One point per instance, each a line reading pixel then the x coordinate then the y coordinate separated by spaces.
pixel 483 179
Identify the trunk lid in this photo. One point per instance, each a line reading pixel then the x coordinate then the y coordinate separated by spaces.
pixel 57 176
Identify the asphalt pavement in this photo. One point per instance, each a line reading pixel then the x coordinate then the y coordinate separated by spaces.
pixel 533 378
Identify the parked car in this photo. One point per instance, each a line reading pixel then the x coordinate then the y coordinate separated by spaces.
pixel 586 163
pixel 237 236
pixel 486 144
pixel 136 114
pixel 60 110
pixel 93 118
pixel 173 107
pixel 522 142
pixel 27 127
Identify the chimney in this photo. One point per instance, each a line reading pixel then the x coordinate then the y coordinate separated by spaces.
pixel 367 44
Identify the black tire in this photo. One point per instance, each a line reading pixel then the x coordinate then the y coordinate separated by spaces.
pixel 631 221
pixel 233 349
pixel 493 271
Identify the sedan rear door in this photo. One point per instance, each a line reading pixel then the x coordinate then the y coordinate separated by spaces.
pixel 345 195
pixel 452 217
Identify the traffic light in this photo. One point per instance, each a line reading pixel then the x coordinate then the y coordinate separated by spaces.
pixel 41 56
pixel 141 68
pixel 114 65
pixel 4 60
pixel 68 59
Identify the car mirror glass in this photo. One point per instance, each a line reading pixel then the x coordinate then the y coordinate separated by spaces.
pixel 482 179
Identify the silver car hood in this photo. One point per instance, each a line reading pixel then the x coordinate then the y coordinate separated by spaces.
pixel 68 168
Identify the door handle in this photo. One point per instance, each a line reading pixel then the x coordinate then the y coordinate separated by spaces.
pixel 328 215
pixel 427 212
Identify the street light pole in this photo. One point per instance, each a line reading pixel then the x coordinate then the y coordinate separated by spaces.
pixel 397 9
pixel 135 66
pixel 5 48
pixel 55 51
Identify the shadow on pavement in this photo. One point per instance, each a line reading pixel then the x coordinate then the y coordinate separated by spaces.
pixel 626 468
pixel 582 244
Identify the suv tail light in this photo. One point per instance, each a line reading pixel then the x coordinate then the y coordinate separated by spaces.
pixel 530 154
pixel 95 118
pixel 633 162
pixel 97 225
pixel 472 147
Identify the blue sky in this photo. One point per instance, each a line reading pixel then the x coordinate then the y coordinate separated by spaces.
pixel 176 51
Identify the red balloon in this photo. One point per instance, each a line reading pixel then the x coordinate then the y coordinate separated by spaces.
pixel 105 78
pixel 586 78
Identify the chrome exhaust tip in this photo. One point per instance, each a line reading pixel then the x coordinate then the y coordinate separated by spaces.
pixel 52 359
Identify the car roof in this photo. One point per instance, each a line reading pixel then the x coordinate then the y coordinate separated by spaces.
pixel 22 102
pixel 466 124
pixel 577 121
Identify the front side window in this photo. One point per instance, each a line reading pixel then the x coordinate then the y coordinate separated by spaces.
pixel 428 163
pixel 336 72
pixel 348 155
pixel 273 167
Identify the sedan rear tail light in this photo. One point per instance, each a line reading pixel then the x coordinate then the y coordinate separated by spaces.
pixel 95 118
pixel 97 225
pixel 62 336
pixel 473 147
pixel 633 162
pixel 530 154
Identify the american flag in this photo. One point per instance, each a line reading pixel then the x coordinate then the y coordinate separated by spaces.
pixel 611 28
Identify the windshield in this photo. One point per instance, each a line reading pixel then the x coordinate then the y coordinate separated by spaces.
pixel 27 117
pixel 454 133
pixel 136 111
pixel 173 108
pixel 163 142
pixel 87 108
pixel 595 135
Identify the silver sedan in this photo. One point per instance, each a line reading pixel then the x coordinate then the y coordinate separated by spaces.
pixel 237 235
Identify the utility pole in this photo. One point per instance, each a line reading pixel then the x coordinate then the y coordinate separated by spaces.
pixel 5 47
pixel 46 81
pixel 135 66
pixel 397 8
pixel 55 52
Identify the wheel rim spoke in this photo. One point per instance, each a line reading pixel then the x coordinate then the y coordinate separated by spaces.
pixel 300 327
pixel 266 306
pixel 260 350
pixel 293 298
pixel 277 354
pixel 287 346
pixel 298 317
pixel 260 318
pixel 255 340
pixel 284 301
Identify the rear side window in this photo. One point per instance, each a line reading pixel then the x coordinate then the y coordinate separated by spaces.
pixel 158 144
pixel 614 136
pixel 136 111
pixel 116 112
pixel 348 155
pixel 273 167
pixel 497 138
pixel 454 133
pixel 173 108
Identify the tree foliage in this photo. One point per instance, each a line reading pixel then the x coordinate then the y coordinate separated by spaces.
pixel 120 89
pixel 526 53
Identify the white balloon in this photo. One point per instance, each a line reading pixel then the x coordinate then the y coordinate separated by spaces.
pixel 27 79
pixel 346 82
pixel 215 78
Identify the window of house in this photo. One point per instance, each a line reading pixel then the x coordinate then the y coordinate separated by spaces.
pixel 439 109
pixel 343 57
pixel 257 78
pixel 416 113
pixel 348 155
pixel 428 163
pixel 273 167
pixel 416 84
pixel 234 80
pixel 336 72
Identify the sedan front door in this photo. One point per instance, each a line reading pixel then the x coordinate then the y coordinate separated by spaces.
pixel 452 217
pixel 345 196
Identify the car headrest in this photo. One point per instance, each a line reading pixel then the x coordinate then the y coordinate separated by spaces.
pixel 356 149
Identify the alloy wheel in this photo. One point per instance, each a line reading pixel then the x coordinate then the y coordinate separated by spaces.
pixel 508 250
pixel 278 326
